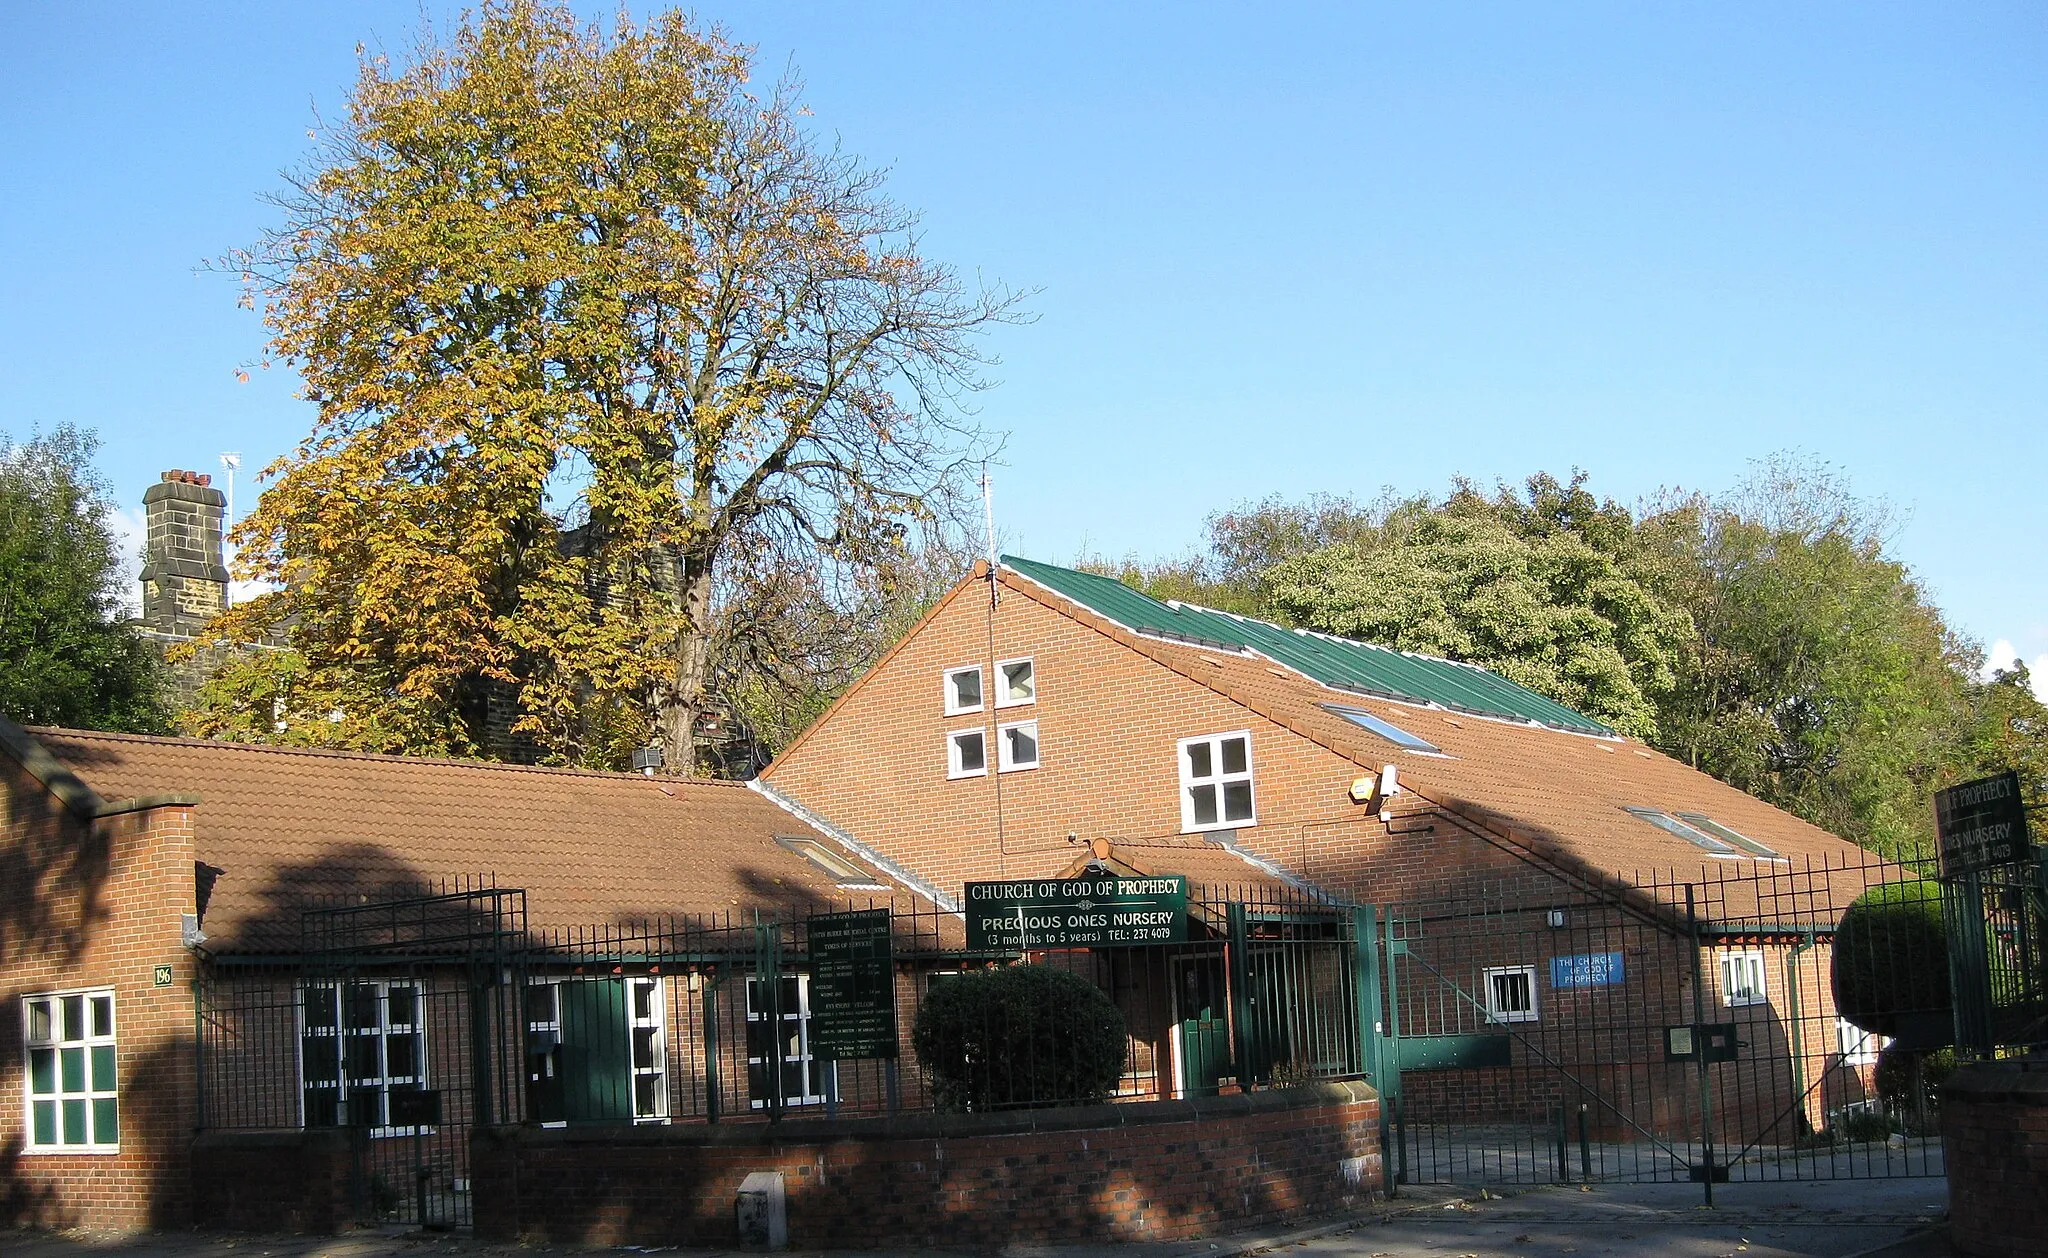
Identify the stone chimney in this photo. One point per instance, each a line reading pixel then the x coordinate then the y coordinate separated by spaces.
pixel 184 581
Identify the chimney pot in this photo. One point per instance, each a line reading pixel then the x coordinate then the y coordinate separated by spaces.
pixel 205 478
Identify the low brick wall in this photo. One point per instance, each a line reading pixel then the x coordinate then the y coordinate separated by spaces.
pixel 271 1181
pixel 1994 1136
pixel 1150 1171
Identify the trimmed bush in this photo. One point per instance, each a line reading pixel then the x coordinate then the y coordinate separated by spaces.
pixel 1909 1085
pixel 1891 963
pixel 1017 1036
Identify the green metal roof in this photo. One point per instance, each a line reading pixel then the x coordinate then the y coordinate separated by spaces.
pixel 1341 663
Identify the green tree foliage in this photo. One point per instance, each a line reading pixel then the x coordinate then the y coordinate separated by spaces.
pixel 1890 962
pixel 66 656
pixel 1818 676
pixel 1540 586
pixel 604 345
pixel 1766 636
pixel 1020 1035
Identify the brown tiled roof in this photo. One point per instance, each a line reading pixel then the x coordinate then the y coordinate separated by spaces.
pixel 292 827
pixel 1561 795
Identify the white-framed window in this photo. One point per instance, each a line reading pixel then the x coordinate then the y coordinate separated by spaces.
pixel 967 753
pixel 358 1042
pixel 1857 1046
pixel 779 1046
pixel 1017 746
pixel 73 1082
pixel 596 1049
pixel 1016 683
pixel 1216 782
pixel 1510 993
pixel 1742 978
pixel 963 690
pixel 647 1029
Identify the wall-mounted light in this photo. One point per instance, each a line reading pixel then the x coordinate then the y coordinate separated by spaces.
pixel 1556 917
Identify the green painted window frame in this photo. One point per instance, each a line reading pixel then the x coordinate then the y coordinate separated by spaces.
pixel 71 1083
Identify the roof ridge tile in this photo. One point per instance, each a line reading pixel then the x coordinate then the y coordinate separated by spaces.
pixel 374 757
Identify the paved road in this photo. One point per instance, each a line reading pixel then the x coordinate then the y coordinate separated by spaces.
pixel 1830 1219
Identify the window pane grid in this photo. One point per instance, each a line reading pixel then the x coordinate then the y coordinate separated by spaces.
pixel 1216 782
pixel 357 1042
pixel 73 1071
pixel 1742 979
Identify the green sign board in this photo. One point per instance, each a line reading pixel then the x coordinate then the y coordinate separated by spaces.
pixel 853 986
pixel 1982 824
pixel 1091 911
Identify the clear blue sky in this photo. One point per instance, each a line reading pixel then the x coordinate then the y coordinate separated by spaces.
pixel 1281 249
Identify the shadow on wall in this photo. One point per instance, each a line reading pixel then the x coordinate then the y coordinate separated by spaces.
pixel 1195 1169
pixel 152 1119
pixel 76 855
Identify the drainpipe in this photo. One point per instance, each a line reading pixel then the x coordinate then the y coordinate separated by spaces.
pixel 1798 1021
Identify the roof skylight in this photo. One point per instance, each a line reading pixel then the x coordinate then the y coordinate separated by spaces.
pixel 841 870
pixel 1385 729
pixel 1673 826
pixel 1700 821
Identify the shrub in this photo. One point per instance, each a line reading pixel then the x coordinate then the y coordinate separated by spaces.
pixel 1017 1036
pixel 1909 1083
pixel 1891 963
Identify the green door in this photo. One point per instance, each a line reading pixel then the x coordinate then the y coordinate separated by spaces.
pixel 595 1059
pixel 1203 1028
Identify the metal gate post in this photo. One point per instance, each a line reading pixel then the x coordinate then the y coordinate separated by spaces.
pixel 1392 980
pixel 1962 902
pixel 1699 1017
pixel 198 1054
pixel 768 967
pixel 711 983
pixel 484 1024
pixel 1373 1054
pixel 1240 996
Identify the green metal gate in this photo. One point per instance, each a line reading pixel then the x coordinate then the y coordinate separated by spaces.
pixel 1680 1031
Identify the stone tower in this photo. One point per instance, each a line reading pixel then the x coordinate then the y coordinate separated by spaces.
pixel 184 581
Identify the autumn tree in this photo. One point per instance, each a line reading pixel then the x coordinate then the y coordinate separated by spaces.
pixel 1819 675
pixel 607 347
pixel 67 655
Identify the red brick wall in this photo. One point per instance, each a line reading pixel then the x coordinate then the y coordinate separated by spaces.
pixel 1153 1171
pixel 1994 1136
pixel 1109 724
pixel 272 1181
pixel 86 905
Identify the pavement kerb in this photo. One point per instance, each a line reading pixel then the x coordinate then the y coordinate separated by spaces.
pixel 1241 1243
pixel 1929 1242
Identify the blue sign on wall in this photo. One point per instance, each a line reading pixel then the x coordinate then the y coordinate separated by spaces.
pixel 1596 969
